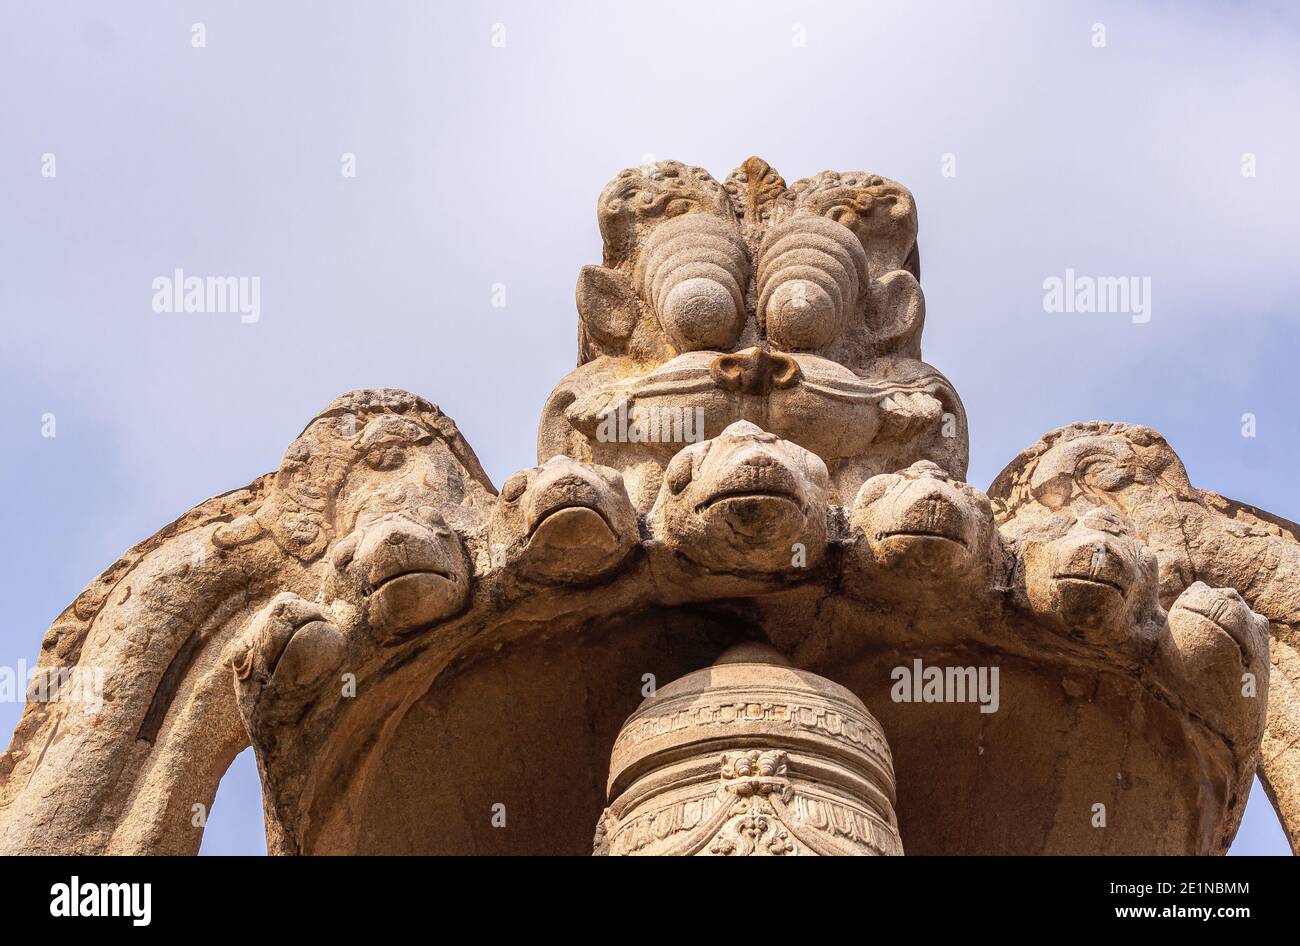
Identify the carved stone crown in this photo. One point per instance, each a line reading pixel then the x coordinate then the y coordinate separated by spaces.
pixel 817 266
pixel 880 212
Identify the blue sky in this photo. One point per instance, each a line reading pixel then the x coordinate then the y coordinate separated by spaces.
pixel 479 164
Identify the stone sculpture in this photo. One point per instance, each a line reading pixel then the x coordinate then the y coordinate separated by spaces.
pixel 750 460
pixel 808 773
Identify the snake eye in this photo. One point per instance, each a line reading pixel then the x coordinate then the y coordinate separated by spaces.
pixel 679 472
pixel 812 272
pixel 873 489
pixel 843 214
pixel 514 487
pixel 693 270
pixel 341 557
pixel 1104 473
pixel 430 517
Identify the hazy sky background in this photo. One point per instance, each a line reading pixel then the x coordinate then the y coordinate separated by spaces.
pixel 479 165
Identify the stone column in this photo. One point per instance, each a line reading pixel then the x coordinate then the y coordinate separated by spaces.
pixel 750 757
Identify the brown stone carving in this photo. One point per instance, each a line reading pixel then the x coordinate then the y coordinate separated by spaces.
pixel 1197 537
pixel 749 452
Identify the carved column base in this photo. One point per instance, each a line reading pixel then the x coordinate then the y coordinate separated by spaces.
pixel 753 757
